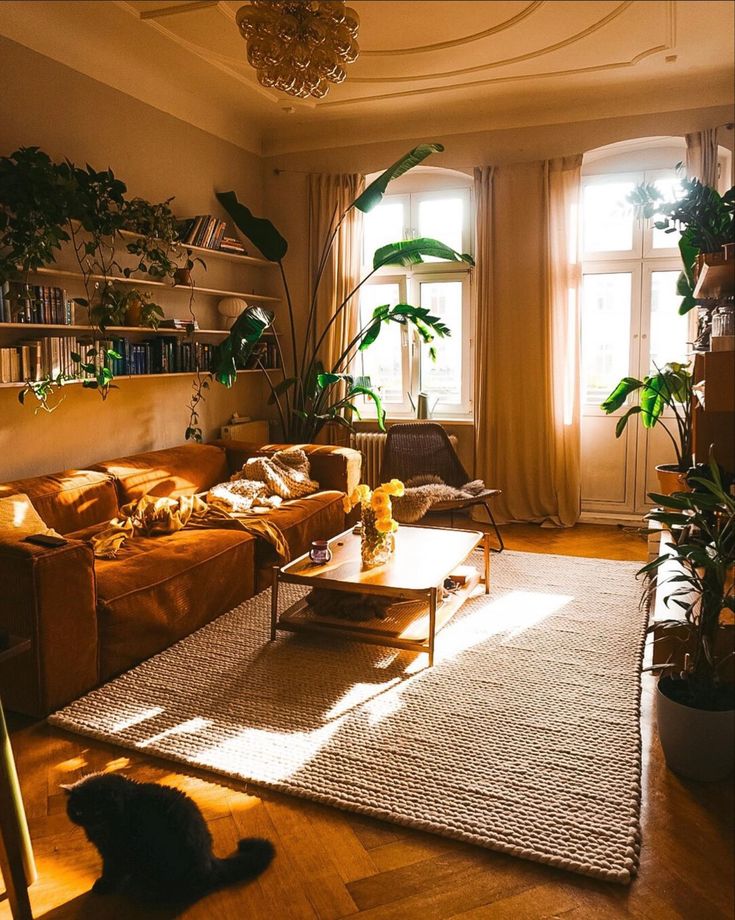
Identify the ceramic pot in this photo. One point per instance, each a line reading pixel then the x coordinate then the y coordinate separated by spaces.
pixel 183 276
pixel 134 312
pixel 671 479
pixel 697 744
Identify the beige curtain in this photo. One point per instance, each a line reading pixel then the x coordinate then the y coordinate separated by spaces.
pixel 701 160
pixel 328 197
pixel 527 334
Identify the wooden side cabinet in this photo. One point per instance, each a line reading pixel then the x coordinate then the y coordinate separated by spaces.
pixel 715 423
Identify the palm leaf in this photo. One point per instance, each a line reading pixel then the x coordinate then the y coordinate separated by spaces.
pixel 258 230
pixel 412 252
pixel 373 194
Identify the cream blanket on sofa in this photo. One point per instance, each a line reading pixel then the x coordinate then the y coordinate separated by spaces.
pixel 264 482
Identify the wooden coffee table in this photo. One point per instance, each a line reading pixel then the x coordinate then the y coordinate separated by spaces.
pixel 414 576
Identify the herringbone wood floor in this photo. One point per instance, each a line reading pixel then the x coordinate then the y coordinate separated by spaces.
pixel 333 865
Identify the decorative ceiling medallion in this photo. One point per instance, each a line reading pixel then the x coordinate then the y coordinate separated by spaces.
pixel 299 46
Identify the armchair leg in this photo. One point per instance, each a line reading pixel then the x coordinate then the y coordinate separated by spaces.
pixel 501 545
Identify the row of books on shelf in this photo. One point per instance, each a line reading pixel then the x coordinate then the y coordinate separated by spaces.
pixel 33 360
pixel 209 233
pixel 35 303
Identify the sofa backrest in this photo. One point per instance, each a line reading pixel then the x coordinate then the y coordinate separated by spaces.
pixel 70 500
pixel 176 471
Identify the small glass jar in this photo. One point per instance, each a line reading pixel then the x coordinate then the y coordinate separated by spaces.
pixel 320 553
pixel 723 320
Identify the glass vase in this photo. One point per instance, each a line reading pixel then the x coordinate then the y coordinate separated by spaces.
pixel 375 547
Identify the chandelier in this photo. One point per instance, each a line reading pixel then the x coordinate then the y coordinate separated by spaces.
pixel 299 46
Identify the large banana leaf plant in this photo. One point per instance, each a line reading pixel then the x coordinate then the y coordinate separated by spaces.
pixel 310 395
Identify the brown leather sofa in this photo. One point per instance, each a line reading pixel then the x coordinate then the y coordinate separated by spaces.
pixel 90 619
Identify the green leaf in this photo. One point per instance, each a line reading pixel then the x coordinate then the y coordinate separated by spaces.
pixel 280 388
pixel 235 350
pixel 621 392
pixel 360 390
pixel 373 194
pixel 411 252
pixel 325 380
pixel 258 230
pixel 623 420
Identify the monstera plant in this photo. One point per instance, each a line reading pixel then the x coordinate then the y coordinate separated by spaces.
pixel 311 395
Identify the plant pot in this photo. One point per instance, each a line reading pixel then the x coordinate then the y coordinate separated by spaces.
pixel 183 276
pixel 697 743
pixel 134 312
pixel 671 479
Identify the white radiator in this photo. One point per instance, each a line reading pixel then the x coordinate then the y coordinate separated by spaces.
pixel 371 445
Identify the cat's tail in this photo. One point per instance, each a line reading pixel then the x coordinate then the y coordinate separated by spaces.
pixel 252 857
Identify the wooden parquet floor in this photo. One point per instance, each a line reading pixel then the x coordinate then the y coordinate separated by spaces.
pixel 333 865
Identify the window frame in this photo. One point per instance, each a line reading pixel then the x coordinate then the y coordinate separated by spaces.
pixel 410 280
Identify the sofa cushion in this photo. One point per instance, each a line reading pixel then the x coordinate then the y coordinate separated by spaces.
pixel 69 500
pixel 314 517
pixel 159 589
pixel 176 471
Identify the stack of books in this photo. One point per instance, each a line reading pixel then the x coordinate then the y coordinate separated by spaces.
pixel 34 303
pixel 166 354
pixel 209 233
pixel 34 359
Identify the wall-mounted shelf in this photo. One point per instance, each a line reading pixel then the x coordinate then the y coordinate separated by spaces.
pixel 252 261
pixel 716 280
pixel 45 330
pixel 146 283
pixel 254 370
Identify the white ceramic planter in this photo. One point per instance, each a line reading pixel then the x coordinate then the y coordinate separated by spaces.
pixel 696 743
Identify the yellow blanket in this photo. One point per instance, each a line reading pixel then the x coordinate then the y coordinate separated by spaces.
pixel 150 516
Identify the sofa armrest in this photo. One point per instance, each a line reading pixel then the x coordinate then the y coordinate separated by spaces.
pixel 49 596
pixel 333 467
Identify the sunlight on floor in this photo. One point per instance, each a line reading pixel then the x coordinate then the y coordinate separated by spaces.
pixel 509 615
pixel 191 725
pixel 136 719
pixel 358 694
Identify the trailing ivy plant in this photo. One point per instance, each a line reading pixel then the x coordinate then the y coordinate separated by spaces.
pixel 44 205
pixel 310 395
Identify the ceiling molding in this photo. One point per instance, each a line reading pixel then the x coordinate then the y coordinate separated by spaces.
pixel 497 80
pixel 465 40
pixel 530 55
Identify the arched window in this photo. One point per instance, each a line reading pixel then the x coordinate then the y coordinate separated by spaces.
pixel 428 202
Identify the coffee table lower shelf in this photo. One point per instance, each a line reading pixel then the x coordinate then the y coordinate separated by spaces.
pixel 407 623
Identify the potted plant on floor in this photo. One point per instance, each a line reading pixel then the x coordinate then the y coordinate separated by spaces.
pixel 311 395
pixel 695 707
pixel 669 388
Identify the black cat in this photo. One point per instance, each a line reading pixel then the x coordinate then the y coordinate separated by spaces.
pixel 154 839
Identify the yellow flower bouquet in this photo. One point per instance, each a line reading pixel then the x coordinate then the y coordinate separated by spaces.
pixel 378 525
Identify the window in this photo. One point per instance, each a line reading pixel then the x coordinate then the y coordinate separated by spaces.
pixel 398 362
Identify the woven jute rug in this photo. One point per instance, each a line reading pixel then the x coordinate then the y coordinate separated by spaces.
pixel 524 737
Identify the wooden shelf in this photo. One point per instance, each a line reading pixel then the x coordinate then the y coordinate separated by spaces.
pixel 55 329
pixel 716 281
pixel 254 370
pixel 253 261
pixel 146 283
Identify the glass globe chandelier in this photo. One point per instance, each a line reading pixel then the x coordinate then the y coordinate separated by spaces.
pixel 299 46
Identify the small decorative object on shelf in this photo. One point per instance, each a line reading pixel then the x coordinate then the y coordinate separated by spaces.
pixel 378 526
pixel 230 308
pixel 320 553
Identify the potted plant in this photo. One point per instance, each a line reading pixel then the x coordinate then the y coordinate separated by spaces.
pixel 705 219
pixel 669 388
pixel 311 395
pixel 695 707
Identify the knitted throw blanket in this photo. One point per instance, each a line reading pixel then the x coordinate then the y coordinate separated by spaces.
pixel 264 482
pixel 424 491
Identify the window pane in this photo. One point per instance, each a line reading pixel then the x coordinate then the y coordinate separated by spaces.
pixel 442 219
pixel 670 188
pixel 605 333
pixel 381 226
pixel 608 217
pixel 443 379
pixel 382 361
pixel 669 331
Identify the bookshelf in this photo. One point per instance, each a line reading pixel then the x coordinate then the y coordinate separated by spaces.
pixel 253 370
pixel 251 261
pixel 170 288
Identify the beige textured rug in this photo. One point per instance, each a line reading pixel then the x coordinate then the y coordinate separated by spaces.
pixel 524 737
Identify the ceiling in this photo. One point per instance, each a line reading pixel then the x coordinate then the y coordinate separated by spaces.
pixel 438 65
